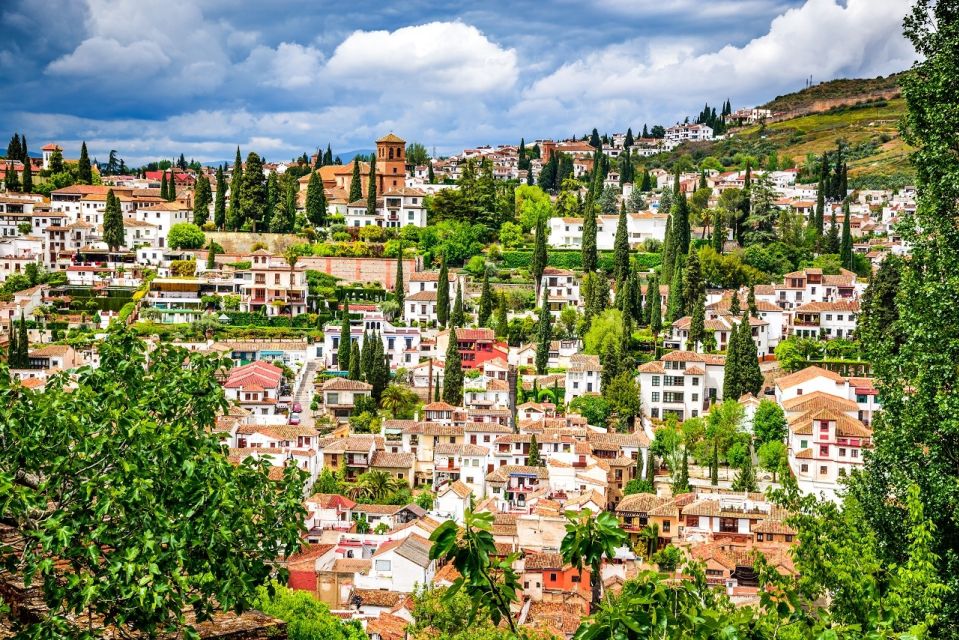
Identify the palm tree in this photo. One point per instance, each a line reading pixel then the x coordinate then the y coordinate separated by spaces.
pixel 375 485
pixel 397 399
pixel 587 541
pixel 650 536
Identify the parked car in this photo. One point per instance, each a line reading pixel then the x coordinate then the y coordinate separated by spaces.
pixel 297 407
pixel 295 419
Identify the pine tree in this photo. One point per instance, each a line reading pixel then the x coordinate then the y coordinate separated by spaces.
pixel 675 304
pixel 371 189
pixel 219 204
pixel 486 302
pixel 647 182
pixel 539 255
pixel 113 222
pixel 453 376
pixel 745 480
pixel 356 362
pixel 544 334
pixel 343 359
pixel 315 201
pixel 458 315
pixel 621 248
pixel 443 296
pixel 84 170
pixel 163 187
pixel 532 458
pixel 27 183
pixel 502 324
pixel 399 286
pixel 234 218
pixel 589 236
pixel 845 246
pixel 697 321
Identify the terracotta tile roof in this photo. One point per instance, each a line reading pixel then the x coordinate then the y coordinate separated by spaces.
pixel 807 374
pixel 540 561
pixel 581 362
pixel 805 454
pixel 639 503
pixel 772 526
pixel 387 626
pixel 345 384
pixel 851 306
pixel 402 460
pixel 378 597
pixel 331 501
pixel 458 488
pixel 818 400
pixel 352 565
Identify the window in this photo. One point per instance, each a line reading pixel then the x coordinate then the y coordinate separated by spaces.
pixel 575 579
pixel 382 565
pixel 804 468
pixel 655 381
pixel 829 317
pixel 692 521
pixel 552 577
pixel 824 449
pixel 789 538
pixel 842 452
pixel 695 381
pixel 861 399
pixel 655 396
pixel 803 444
pixel 854 453
pixel 665 526
pixel 822 470
pixel 759 537
pixel 695 397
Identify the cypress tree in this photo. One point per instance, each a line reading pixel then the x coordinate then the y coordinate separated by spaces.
pixel 647 182
pixel 272 198
pixel 693 286
pixel 356 184
pixel 486 302
pixel 211 256
pixel 84 170
pixel 171 187
pixel 356 362
pixel 502 324
pixel 163 187
pixel 430 176
pixel 544 335
pixel 399 287
pixel 681 228
pixel 675 304
pixel 201 201
pixel 628 141
pixel 328 156
pixel 751 302
pixel 343 359
pixel 751 377
pixel 589 236
pixel 621 248
pixel 714 466
pixel 443 296
pixel 315 201
pixel 113 222
pixel 379 369
pixel 539 255
pixel 436 390
pixel 219 202
pixel 832 238
pixel 23 344
pixel 458 315
pixel 453 376
pixel 532 458
pixel 819 215
pixel 651 467
pixel 27 185
pixel 14 150
pixel 719 232
pixel 12 178
pixel 625 294
pixel 654 302
pixel 12 353
pixel 745 480
pixel 845 246
pixel 371 189
pixel 366 358
pixel 682 482
pixel 732 377
pixel 697 329
pixel 234 218
pixel 666 271
pixel 734 305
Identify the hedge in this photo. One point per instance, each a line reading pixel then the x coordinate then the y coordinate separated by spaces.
pixel 573 259
pixel 125 312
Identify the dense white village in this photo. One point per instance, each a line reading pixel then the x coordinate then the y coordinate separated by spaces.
pixel 391 449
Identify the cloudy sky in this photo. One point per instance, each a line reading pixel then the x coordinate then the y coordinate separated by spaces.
pixel 154 78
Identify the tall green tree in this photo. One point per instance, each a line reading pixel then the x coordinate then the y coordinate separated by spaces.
pixel 819 216
pixel 202 196
pixel 588 541
pixel 458 314
pixel 356 362
pixel 621 248
pixel 486 302
pixel 96 515
pixel 694 287
pixel 164 190
pixel 343 357
pixel 253 196
pixel 745 480
pixel 502 324
pixel 697 321
pixel 539 254
pixel 443 295
pixel 399 286
pixel 831 243
pixel 113 222
pixel 12 177
pixel 12 353
pixel 453 372
pixel 590 259
pixel 675 304
pixel 234 216
pixel 371 189
pixel 84 170
pixel 532 458
pixel 655 305
pixel 544 334
pixel 23 343
pixel 219 203
pixel 751 377
pixel 845 244
pixel 316 205
pixel 356 182
pixel 681 483
pixel 171 187
pixel 27 181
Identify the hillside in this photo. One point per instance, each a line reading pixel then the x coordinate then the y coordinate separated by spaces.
pixel 865 113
